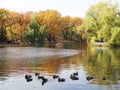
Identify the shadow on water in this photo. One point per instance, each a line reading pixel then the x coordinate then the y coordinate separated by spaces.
pixel 103 64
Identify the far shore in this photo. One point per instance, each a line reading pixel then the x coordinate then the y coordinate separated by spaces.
pixel 10 45
pixel 100 44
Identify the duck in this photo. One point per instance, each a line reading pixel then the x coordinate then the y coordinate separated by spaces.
pixel 104 78
pixel 76 73
pixel 28 76
pixel 55 76
pixel 74 77
pixel 44 80
pixel 28 80
pixel 61 80
pixel 40 77
pixel 89 78
pixel 37 74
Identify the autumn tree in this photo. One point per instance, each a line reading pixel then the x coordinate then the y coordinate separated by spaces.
pixel 3 24
pixel 37 27
pixel 51 19
pixel 17 25
pixel 14 27
pixel 77 35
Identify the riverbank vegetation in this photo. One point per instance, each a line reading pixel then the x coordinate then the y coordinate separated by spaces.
pixel 37 27
pixel 101 24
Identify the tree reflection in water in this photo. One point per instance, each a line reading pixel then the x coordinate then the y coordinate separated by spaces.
pixel 103 64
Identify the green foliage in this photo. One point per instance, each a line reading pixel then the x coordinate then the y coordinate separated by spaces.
pixel 115 39
pixel 29 36
pixel 99 21
pixel 67 33
pixel 70 34
pixel 42 34
pixel 35 32
pixel 3 24
pixel 104 34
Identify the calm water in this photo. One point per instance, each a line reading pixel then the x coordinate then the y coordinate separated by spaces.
pixel 16 62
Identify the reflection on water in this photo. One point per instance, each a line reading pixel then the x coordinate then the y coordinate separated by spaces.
pixel 12 60
pixel 16 62
pixel 103 62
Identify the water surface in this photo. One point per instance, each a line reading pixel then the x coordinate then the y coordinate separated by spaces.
pixel 16 62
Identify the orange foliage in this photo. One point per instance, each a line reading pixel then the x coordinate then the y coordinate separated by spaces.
pixel 51 19
pixel 16 24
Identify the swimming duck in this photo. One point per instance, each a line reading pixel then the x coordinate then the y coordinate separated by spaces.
pixel 28 76
pixel 55 76
pixel 89 78
pixel 76 73
pixel 61 80
pixel 74 77
pixel 40 77
pixel 104 78
pixel 37 74
pixel 28 80
pixel 44 80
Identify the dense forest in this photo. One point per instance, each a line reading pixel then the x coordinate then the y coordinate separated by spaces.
pixel 101 24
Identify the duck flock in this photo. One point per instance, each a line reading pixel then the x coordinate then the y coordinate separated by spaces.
pixel 73 76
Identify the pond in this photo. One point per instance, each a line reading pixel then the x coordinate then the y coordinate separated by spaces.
pixel 102 64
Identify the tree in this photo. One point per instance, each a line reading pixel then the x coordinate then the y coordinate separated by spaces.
pixel 19 27
pixel 16 25
pixel 67 27
pixel 99 20
pixel 35 32
pixel 76 34
pixel 51 19
pixel 115 38
pixel 3 24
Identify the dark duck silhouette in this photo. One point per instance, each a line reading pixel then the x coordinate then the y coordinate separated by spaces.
pixel 74 77
pixel 55 76
pixel 76 73
pixel 61 80
pixel 40 77
pixel 89 78
pixel 37 74
pixel 104 78
pixel 28 78
pixel 44 80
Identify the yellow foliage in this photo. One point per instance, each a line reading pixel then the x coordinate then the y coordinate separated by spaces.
pixel 51 19
pixel 9 35
pixel 16 29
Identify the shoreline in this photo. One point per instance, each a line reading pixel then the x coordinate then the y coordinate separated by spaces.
pixel 99 44
pixel 10 45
